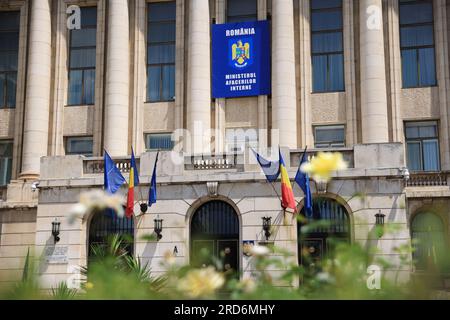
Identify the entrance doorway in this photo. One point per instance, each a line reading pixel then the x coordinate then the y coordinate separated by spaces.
pixel 215 237
pixel 328 226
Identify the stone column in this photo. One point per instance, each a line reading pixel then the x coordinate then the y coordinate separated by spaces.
pixel 117 79
pixel 374 114
pixel 37 103
pixel 284 101
pixel 198 78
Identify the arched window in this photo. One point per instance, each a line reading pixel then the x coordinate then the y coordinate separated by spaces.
pixel 104 224
pixel 330 223
pixel 429 242
pixel 215 236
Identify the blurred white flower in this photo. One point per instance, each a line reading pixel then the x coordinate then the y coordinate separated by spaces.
pixel 259 251
pixel 95 200
pixel 169 257
pixel 201 282
pixel 247 285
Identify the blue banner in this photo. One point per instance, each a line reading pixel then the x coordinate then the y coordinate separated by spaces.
pixel 240 59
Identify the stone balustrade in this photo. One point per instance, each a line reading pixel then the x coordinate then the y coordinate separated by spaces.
pixel 424 179
pixel 96 165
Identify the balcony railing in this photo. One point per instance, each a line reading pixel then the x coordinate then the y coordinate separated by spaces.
pixel 423 179
pixel 96 165
pixel 212 162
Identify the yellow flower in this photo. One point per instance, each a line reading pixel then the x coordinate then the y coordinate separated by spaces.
pixel 89 285
pixel 201 282
pixel 323 165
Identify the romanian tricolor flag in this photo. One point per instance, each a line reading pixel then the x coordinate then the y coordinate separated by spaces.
pixel 287 195
pixel 134 181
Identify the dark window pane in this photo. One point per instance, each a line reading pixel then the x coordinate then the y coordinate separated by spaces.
pixel 414 156
pixel 416 13
pixel 427 67
pixel 161 54
pixel 412 132
pixel 326 20
pixel 326 42
pixel 9 41
pixel 159 141
pixel 242 10
pixel 79 145
pixel 75 85
pixel 8 61
pixel 416 36
pixel 427 131
pixel 161 32
pixel 153 83
pixel 9 20
pixel 322 4
pixel 330 134
pixel 319 68
pixel 336 72
pixel 5 162
pixel 162 11
pixel 409 68
pixel 88 16
pixel 82 58
pixel 89 86
pixel 83 38
pixel 430 155
pixel 11 84
pixel 168 84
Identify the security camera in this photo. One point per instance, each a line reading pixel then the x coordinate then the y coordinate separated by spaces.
pixel 34 186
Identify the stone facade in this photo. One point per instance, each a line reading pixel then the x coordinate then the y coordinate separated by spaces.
pixel 372 108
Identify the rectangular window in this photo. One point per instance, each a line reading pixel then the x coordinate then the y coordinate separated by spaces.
pixel 417 43
pixel 422 146
pixel 79 145
pixel 327 50
pixel 82 59
pixel 6 152
pixel 158 141
pixel 161 51
pixel 242 10
pixel 329 136
pixel 9 57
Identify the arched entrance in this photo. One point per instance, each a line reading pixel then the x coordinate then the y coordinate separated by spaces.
pixel 329 225
pixel 215 236
pixel 105 224
pixel 429 242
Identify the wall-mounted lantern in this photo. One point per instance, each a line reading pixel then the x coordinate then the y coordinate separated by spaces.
pixel 56 229
pixel 267 223
pixel 158 227
pixel 379 219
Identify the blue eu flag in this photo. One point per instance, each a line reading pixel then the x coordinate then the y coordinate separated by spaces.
pixel 302 180
pixel 270 168
pixel 113 178
pixel 152 191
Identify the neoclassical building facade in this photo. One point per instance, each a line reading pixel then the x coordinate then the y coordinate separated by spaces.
pixel 368 78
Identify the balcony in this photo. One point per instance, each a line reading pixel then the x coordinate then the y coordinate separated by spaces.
pixel 95 165
pixel 428 179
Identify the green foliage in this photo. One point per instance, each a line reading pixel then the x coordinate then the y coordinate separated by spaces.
pixel 63 292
